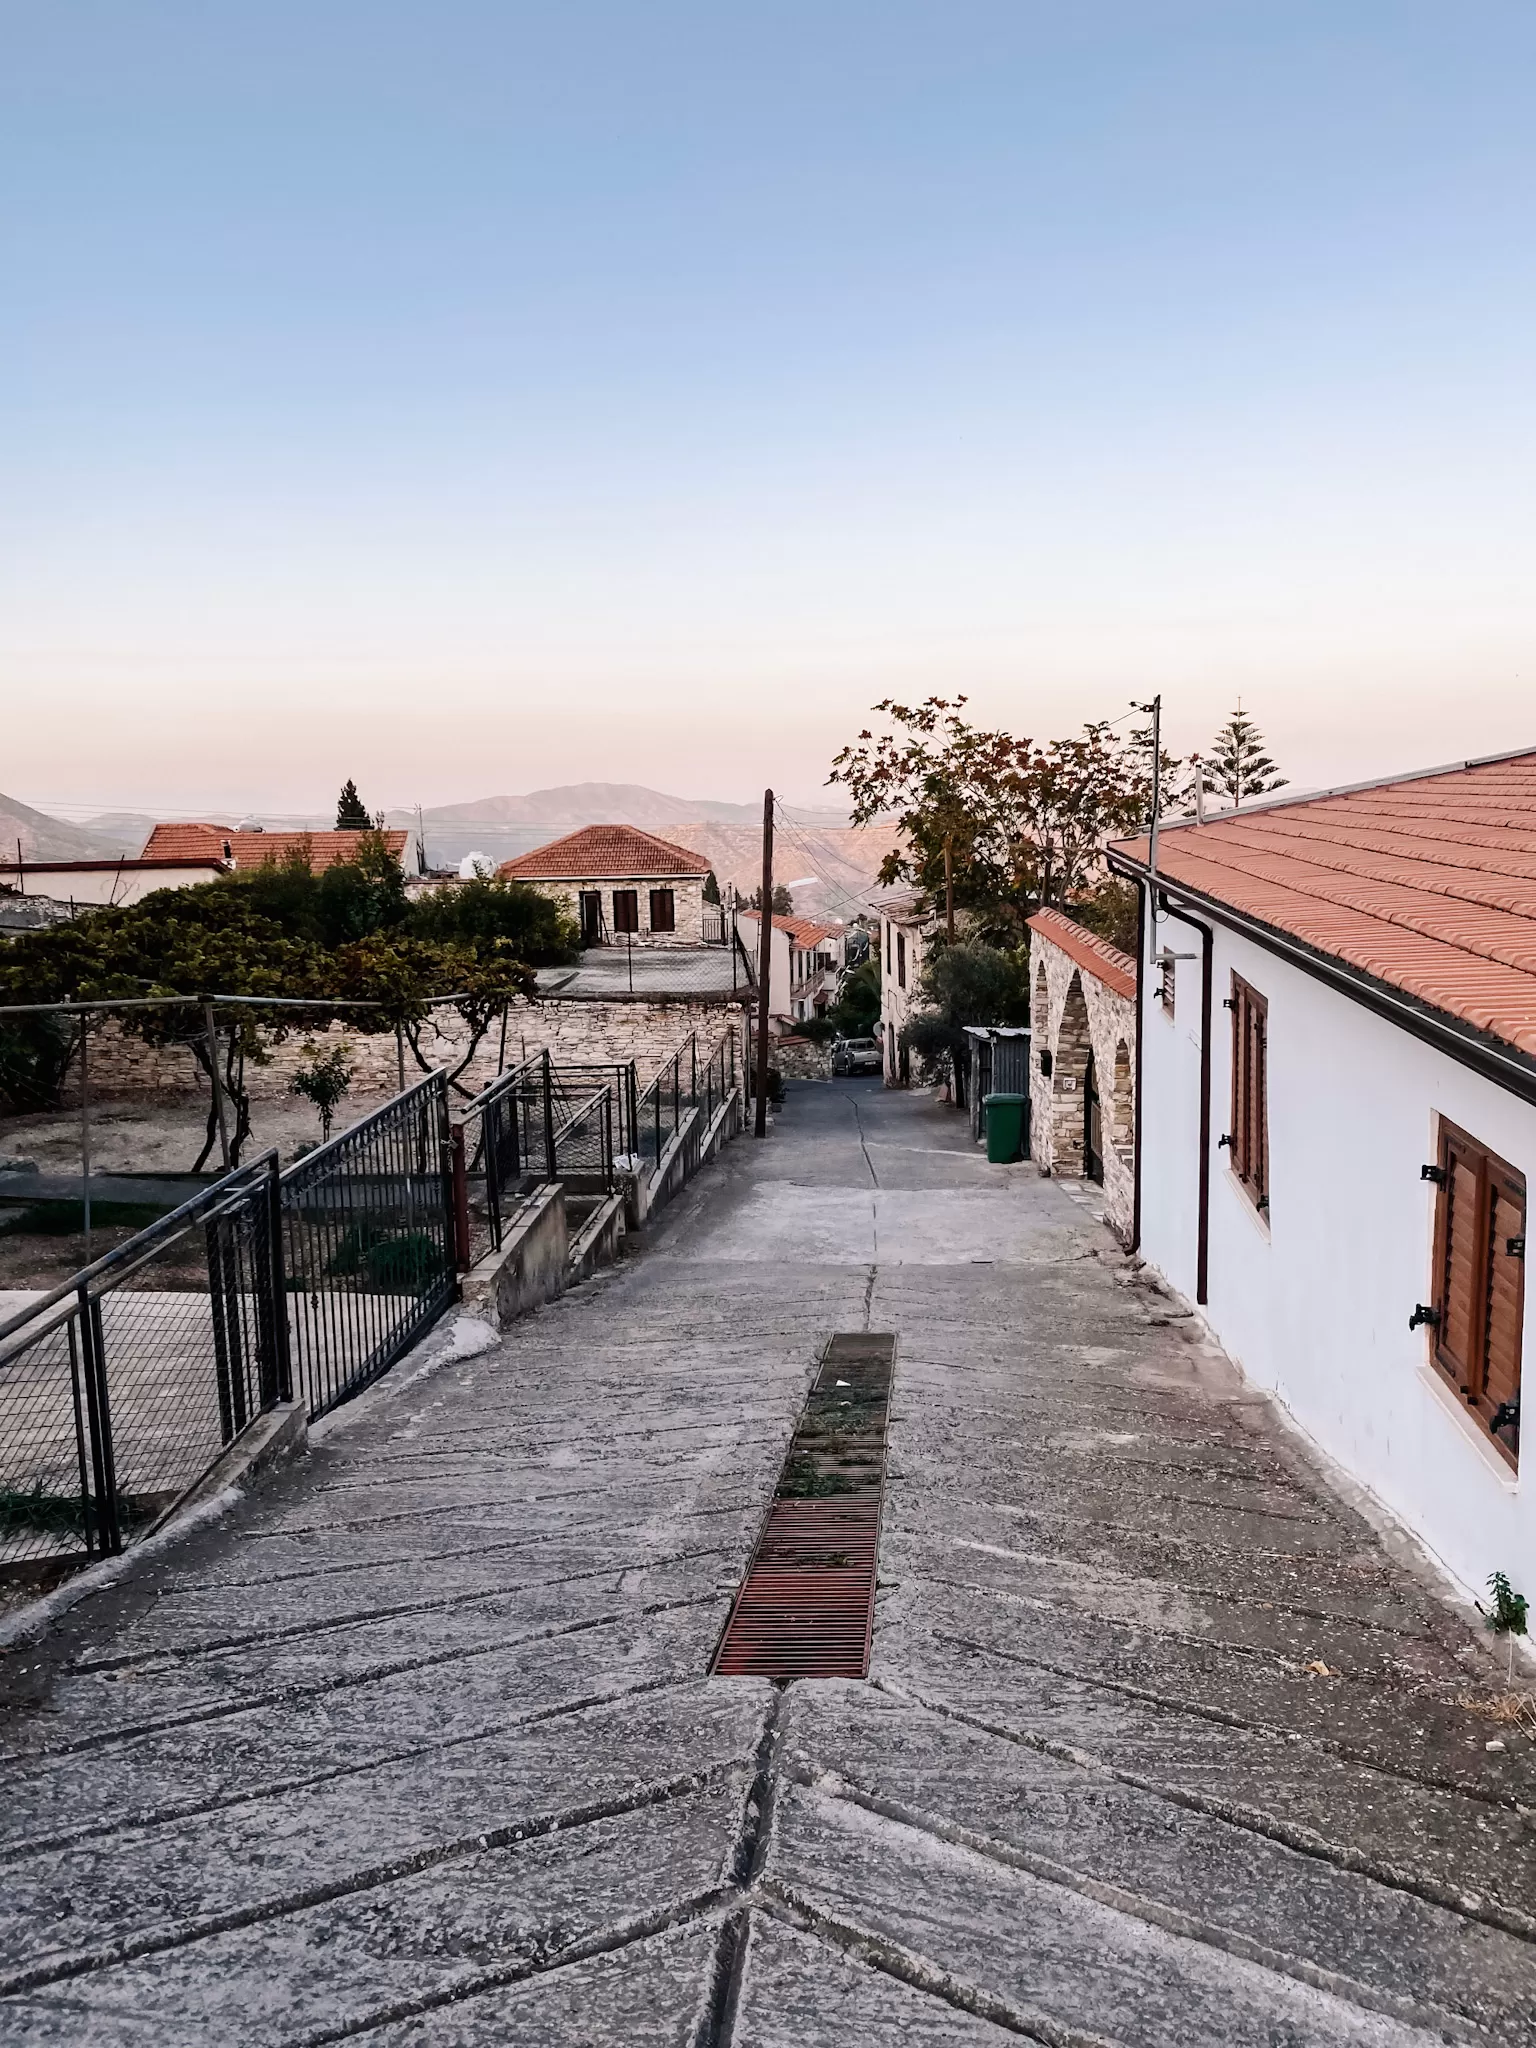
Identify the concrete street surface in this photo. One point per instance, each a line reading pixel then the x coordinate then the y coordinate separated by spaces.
pixel 1162 1742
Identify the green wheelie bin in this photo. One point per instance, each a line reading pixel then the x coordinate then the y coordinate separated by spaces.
pixel 1005 1127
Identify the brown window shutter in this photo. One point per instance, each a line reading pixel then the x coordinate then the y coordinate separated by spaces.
pixel 1506 1305
pixel 1461 1264
pixel 663 910
pixel 1480 1283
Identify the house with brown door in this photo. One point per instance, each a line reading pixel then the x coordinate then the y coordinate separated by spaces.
pixel 1336 1124
pixel 624 887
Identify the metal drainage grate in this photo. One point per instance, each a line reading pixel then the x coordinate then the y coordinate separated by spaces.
pixel 806 1606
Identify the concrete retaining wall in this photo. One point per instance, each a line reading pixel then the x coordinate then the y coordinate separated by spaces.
pixel 530 1268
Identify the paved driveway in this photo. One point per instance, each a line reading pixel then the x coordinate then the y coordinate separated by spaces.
pixel 1159 1744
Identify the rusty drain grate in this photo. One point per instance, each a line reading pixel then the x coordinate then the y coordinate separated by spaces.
pixel 806 1606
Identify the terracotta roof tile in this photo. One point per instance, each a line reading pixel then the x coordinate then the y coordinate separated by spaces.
pixel 1428 883
pixel 604 853
pixel 249 849
pixel 1115 969
pixel 805 931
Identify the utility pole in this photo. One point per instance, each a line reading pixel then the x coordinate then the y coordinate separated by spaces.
pixel 85 1128
pixel 949 885
pixel 764 968
pixel 1156 708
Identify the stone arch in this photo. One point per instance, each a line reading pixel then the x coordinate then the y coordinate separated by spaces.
pixel 1123 1127
pixel 1069 1070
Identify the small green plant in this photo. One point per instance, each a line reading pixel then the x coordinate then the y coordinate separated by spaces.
pixel 1508 1614
pixel 324 1080
pixel 390 1262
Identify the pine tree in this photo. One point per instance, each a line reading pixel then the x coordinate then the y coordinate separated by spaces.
pixel 1237 765
pixel 351 811
pixel 711 888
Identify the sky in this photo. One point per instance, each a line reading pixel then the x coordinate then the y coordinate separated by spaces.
pixel 475 397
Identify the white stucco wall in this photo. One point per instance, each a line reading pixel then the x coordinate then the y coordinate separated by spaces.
pixel 898 993
pixel 1316 1306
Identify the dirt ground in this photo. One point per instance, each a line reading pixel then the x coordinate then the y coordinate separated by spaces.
pixel 164 1134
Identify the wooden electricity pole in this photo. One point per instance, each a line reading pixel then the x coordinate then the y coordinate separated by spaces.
pixel 949 885
pixel 764 968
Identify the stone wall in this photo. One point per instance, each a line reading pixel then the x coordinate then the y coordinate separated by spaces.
pixel 1075 1013
pixel 801 1059
pixel 646 1032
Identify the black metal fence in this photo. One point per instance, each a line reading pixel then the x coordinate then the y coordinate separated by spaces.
pixel 368 1243
pixel 535 1124
pixel 120 1389
pixel 693 1078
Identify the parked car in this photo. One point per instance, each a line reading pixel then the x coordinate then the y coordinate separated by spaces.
pixel 856 1056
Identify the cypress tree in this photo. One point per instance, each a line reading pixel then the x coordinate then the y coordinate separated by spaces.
pixel 351 813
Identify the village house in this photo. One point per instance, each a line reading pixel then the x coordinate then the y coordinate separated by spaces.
pixel 232 848
pixel 75 883
pixel 806 958
pixel 1083 1059
pixel 1337 1124
pixel 906 925
pixel 624 887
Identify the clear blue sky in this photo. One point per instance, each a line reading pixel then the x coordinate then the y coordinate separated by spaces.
pixel 471 397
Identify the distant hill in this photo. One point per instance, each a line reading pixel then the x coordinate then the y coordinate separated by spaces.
pixel 45 838
pixel 610 803
pixel 821 842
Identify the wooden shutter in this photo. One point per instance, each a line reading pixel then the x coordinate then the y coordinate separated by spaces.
pixel 1250 1091
pixel 626 910
pixel 663 910
pixel 1480 1282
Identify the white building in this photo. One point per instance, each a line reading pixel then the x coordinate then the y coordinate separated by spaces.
pixel 1337 1125
pixel 805 959
pixel 906 925
pixel 106 882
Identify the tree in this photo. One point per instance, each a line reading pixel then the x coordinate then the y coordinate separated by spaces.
pixel 1237 765
pixel 783 902
pixel 855 1011
pixel 967 983
pixel 711 888
pixel 351 811
pixel 324 1079
pixel 1009 824
pixel 490 907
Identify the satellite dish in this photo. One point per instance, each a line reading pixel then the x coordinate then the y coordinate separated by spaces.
pixel 476 867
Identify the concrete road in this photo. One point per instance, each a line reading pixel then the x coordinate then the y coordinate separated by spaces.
pixel 1160 1743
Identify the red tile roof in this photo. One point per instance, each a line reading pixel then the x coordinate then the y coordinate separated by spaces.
pixel 1107 963
pixel 805 931
pixel 1427 883
pixel 250 849
pixel 604 853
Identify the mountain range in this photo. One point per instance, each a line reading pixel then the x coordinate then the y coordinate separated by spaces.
pixel 816 842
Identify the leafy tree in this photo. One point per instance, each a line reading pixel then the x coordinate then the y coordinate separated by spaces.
pixel 783 902
pixel 966 983
pixel 351 811
pixel 856 1011
pixel 490 907
pixel 35 1053
pixel 1237 765
pixel 711 888
pixel 1016 824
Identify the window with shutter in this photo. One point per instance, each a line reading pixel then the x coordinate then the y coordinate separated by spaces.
pixel 1480 1282
pixel 663 910
pixel 626 910
pixel 901 959
pixel 1250 1092
pixel 1166 986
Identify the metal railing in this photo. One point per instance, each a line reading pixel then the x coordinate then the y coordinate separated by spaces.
pixel 535 1124
pixel 690 1079
pixel 368 1243
pixel 121 1388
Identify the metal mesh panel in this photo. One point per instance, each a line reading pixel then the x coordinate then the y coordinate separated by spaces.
pixel 119 1391
pixel 368 1244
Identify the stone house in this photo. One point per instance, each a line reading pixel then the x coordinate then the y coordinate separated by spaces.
pixel 1337 1126
pixel 1083 1066
pixel 906 926
pixel 624 887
